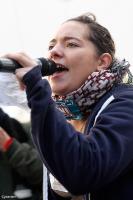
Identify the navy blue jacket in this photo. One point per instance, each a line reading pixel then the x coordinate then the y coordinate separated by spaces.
pixel 99 162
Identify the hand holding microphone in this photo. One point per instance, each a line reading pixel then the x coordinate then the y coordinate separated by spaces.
pixel 48 67
pixel 21 63
pixel 11 62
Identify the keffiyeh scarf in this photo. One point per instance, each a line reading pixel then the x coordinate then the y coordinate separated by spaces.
pixel 77 104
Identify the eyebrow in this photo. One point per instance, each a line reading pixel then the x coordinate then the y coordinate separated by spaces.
pixel 65 38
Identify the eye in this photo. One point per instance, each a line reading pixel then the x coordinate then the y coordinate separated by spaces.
pixel 72 44
pixel 50 46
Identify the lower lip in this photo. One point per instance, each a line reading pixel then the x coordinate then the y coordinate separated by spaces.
pixel 56 74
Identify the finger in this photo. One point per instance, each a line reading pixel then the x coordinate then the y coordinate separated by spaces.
pixel 22 58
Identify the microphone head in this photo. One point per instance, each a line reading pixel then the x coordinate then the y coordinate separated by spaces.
pixel 48 66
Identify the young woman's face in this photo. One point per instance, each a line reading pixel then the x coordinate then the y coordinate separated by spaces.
pixel 71 50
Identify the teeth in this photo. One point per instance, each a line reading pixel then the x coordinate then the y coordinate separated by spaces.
pixel 61 68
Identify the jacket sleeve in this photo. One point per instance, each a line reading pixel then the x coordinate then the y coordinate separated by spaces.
pixel 22 155
pixel 24 158
pixel 81 163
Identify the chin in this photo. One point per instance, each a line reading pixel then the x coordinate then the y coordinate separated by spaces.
pixel 60 91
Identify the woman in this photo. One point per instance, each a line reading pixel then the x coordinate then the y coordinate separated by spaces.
pixel 87 148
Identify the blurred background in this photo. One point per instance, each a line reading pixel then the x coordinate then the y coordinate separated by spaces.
pixel 26 25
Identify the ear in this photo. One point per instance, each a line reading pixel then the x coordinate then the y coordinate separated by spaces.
pixel 104 61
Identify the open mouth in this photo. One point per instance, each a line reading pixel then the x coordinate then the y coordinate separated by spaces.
pixel 61 68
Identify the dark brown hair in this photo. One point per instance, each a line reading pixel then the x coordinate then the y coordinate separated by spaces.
pixel 99 35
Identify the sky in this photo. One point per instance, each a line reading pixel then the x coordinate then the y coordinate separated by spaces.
pixel 27 25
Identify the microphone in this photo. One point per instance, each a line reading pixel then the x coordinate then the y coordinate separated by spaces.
pixel 48 67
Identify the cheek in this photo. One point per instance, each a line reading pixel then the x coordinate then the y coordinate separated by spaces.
pixel 48 78
pixel 90 64
pixel 82 60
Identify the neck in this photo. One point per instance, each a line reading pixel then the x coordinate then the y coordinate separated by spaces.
pixel 79 125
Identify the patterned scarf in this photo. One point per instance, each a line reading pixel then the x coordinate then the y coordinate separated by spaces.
pixel 77 104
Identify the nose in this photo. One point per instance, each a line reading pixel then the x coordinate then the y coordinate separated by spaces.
pixel 56 52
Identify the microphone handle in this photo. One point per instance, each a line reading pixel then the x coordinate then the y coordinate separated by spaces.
pixel 48 67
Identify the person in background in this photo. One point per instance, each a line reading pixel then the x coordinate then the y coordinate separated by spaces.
pixel 21 171
pixel 82 116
